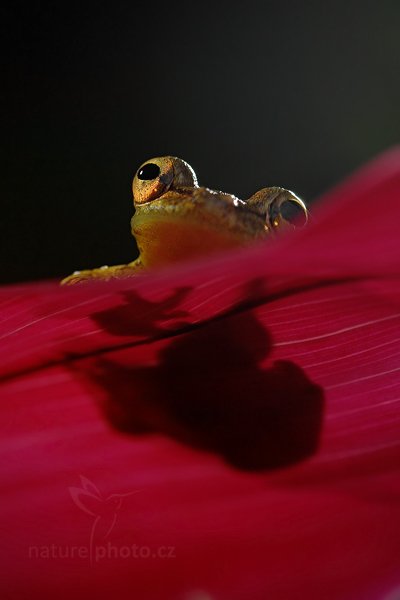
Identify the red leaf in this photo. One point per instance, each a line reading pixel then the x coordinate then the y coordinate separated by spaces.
pixel 269 380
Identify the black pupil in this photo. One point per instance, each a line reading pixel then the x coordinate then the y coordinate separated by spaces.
pixel 293 213
pixel 149 171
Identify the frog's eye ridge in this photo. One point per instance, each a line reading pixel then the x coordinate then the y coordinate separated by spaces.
pixel 149 171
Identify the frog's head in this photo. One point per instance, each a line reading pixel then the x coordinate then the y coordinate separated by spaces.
pixel 158 175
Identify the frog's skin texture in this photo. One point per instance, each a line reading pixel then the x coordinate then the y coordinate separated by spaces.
pixel 176 220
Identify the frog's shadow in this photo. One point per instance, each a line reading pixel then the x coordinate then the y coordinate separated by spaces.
pixel 208 389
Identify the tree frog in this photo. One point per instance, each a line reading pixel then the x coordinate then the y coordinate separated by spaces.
pixel 175 219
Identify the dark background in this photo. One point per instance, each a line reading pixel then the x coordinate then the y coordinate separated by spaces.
pixel 251 94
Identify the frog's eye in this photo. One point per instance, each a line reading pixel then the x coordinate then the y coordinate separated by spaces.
pixel 152 179
pixel 158 175
pixel 280 208
pixel 149 171
pixel 286 210
pixel 290 211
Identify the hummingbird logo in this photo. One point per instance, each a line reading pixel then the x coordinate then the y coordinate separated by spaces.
pixel 103 510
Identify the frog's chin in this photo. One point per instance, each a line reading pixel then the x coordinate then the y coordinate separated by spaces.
pixel 166 237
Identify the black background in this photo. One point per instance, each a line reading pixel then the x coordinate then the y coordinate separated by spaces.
pixel 251 94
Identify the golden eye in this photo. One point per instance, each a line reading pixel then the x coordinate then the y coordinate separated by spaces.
pixel 158 175
pixel 152 179
pixel 290 212
pixel 286 209
pixel 280 208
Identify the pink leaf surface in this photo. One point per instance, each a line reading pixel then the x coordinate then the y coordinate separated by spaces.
pixel 251 400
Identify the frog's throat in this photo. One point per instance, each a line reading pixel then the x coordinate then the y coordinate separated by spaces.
pixel 174 232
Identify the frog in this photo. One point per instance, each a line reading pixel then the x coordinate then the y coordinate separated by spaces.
pixel 177 220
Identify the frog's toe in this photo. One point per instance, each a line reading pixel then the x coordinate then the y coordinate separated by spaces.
pixel 76 277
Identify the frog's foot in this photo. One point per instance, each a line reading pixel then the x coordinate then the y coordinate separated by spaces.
pixel 280 207
pixel 104 273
